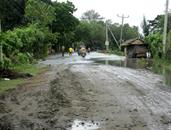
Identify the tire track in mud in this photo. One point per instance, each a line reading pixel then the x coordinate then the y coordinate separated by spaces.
pixel 137 95
pixel 117 98
pixel 152 104
pixel 110 103
pixel 49 102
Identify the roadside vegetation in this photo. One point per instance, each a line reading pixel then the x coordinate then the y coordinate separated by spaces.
pixel 153 35
pixel 33 29
pixel 31 69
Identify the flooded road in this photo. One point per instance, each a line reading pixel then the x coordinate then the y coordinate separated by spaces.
pixel 98 92
pixel 112 60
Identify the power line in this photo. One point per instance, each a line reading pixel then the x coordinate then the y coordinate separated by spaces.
pixel 113 36
pixel 122 17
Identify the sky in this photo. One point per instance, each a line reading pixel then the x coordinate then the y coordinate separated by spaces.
pixel 109 9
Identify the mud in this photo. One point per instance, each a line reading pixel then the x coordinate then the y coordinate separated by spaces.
pixel 12 74
pixel 88 97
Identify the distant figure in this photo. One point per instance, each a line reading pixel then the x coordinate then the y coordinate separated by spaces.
pixel 70 51
pixel 148 54
pixel 63 50
pixel 88 50
pixel 83 51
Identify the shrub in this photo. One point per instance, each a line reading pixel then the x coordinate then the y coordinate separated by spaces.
pixel 22 58
pixel 6 63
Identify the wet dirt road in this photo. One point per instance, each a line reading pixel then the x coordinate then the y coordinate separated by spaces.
pixel 77 94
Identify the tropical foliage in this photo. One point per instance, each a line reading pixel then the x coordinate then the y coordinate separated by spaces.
pixel 31 29
pixel 153 32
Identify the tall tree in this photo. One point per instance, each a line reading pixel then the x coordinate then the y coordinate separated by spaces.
pixel 64 23
pixel 64 19
pixel 91 15
pixel 12 13
pixel 145 27
pixel 92 34
pixel 157 24
pixel 130 32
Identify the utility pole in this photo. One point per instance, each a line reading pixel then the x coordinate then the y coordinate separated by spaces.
pixel 165 29
pixel 122 17
pixel 107 39
pixel 1 52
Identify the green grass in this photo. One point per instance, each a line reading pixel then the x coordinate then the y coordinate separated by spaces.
pixel 10 84
pixel 29 68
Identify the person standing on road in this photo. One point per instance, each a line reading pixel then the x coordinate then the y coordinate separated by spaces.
pixel 63 50
pixel 70 51
pixel 88 50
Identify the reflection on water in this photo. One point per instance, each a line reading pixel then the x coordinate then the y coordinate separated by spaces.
pixel 135 63
pixel 160 69
pixel 85 125
pixel 166 75
pixel 130 63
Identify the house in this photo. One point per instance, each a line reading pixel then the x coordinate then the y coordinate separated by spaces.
pixel 134 48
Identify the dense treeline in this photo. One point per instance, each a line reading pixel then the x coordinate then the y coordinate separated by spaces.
pixel 33 28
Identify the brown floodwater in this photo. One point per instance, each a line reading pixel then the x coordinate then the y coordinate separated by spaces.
pixel 135 63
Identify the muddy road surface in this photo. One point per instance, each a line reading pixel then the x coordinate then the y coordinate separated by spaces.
pixel 78 94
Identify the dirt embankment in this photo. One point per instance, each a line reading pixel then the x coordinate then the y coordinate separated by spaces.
pixel 116 98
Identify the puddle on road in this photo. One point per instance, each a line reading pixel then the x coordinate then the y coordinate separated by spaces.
pixel 85 125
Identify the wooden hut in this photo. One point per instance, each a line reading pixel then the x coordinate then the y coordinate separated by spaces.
pixel 134 48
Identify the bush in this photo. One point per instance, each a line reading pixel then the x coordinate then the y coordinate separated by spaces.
pixel 22 44
pixel 6 63
pixel 155 43
pixel 22 58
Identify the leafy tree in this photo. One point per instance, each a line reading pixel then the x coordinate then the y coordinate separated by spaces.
pixel 82 32
pixel 92 34
pixel 91 15
pixel 157 24
pixel 115 29
pixel 64 19
pixel 39 12
pixel 12 13
pixel 154 39
pixel 64 23
pixel 155 43
pixel 130 32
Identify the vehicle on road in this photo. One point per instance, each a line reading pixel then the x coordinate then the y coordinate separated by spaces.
pixel 83 52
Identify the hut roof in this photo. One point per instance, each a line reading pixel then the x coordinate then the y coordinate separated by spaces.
pixel 132 42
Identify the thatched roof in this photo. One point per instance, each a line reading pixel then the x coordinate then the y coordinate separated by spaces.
pixel 132 42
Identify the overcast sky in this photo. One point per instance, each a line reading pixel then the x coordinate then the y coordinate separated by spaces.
pixel 110 8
